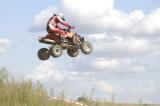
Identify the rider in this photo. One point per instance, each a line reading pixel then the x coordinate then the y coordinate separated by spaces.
pixel 52 25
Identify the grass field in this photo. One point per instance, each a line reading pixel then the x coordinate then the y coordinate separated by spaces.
pixel 25 93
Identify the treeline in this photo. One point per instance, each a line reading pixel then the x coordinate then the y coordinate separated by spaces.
pixel 24 92
pixel 27 93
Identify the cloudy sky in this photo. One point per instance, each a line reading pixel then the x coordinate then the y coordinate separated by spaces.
pixel 124 34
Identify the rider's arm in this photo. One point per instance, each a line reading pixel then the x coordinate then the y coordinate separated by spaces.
pixel 51 23
pixel 63 22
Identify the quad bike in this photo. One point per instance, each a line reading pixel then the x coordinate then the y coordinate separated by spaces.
pixel 72 43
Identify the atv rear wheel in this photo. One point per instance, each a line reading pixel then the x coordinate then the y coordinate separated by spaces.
pixel 43 54
pixel 86 47
pixel 73 52
pixel 56 51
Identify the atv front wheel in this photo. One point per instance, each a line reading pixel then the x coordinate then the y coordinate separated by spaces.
pixel 43 54
pixel 56 51
pixel 73 52
pixel 86 47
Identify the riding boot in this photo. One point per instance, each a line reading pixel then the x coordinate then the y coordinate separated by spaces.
pixel 74 40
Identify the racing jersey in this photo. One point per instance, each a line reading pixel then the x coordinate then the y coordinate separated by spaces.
pixel 53 22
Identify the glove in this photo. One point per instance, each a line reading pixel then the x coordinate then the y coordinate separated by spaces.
pixel 71 27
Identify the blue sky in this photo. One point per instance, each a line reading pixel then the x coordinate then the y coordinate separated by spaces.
pixel 124 33
pixel 130 5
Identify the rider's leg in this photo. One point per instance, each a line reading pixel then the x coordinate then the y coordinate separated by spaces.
pixel 59 31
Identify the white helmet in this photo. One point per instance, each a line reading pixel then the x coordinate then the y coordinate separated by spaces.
pixel 61 16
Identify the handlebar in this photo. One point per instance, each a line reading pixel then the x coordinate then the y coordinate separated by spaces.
pixel 68 29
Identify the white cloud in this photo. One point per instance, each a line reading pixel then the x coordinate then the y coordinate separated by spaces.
pixel 45 71
pixel 49 70
pixel 118 64
pixel 130 90
pixel 149 87
pixel 89 6
pixel 152 88
pixel 4 43
pixel 85 10
pixel 124 45
pixel 40 20
pixel 115 20
pixel 136 15
pixel 104 64
pixel 111 88
pixel 105 87
pixel 149 25
pixel 102 16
